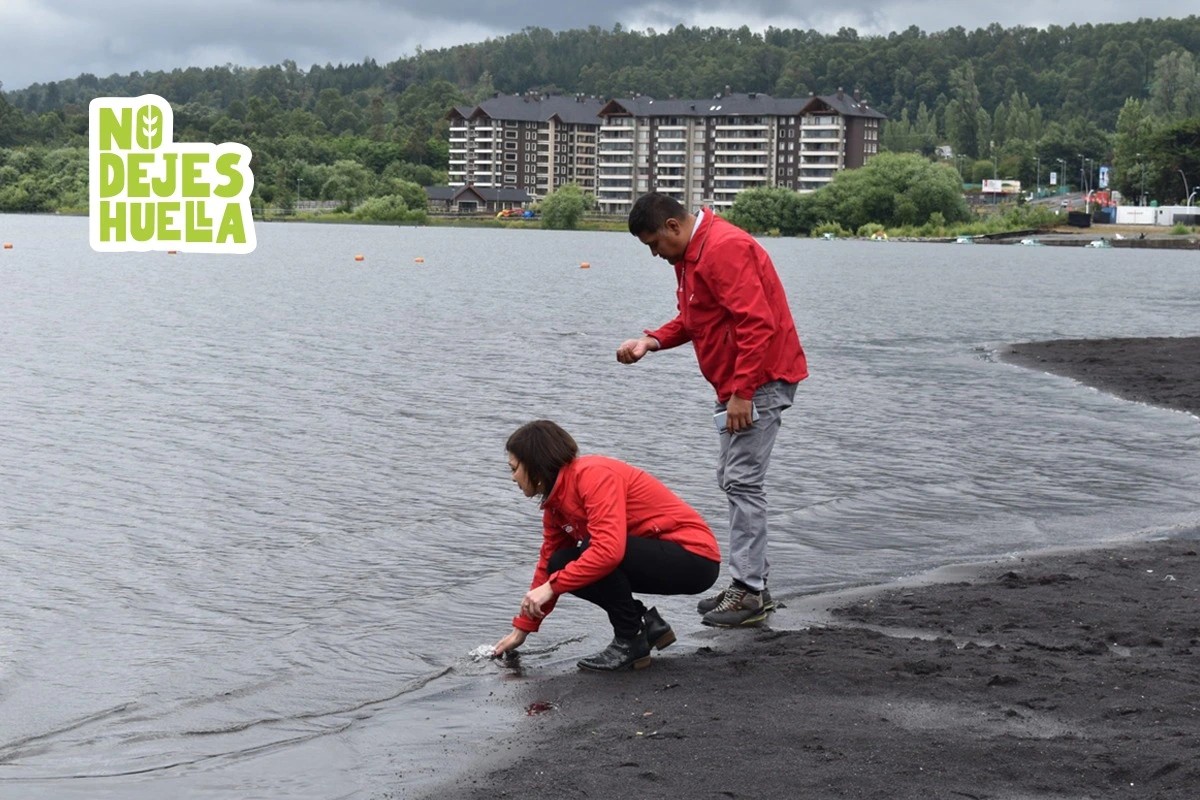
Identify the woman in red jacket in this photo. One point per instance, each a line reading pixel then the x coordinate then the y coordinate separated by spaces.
pixel 609 530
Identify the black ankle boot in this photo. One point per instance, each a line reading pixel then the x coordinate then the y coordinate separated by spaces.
pixel 619 654
pixel 658 632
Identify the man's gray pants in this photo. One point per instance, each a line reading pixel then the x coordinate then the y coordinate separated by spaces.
pixel 741 473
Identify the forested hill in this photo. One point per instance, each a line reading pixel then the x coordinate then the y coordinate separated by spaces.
pixel 1080 71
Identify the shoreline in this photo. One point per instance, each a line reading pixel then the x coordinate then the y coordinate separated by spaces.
pixel 1050 675
pixel 1155 237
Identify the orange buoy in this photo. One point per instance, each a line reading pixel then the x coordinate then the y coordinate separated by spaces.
pixel 358 257
pixel 419 260
pixel 585 265
pixel 8 245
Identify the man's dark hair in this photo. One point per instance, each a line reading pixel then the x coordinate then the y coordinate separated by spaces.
pixel 651 212
pixel 543 448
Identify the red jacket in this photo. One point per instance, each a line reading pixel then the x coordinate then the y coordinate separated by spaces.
pixel 733 310
pixel 607 500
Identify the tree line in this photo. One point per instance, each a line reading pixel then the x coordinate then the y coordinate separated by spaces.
pixel 1010 103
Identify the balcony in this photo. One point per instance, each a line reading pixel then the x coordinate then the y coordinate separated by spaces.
pixel 736 164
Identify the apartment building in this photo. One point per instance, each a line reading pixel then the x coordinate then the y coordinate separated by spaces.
pixel 705 152
pixel 702 152
pixel 531 142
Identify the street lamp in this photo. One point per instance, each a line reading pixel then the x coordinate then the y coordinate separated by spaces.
pixel 1039 175
pixel 1185 189
pixel 1142 196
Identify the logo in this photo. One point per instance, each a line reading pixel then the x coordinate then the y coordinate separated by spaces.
pixel 148 192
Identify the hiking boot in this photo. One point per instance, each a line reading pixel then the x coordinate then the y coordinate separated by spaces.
pixel 619 654
pixel 709 603
pixel 658 632
pixel 738 607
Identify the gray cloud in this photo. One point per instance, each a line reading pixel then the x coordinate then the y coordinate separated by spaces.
pixel 47 40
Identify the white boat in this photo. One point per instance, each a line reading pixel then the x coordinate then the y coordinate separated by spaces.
pixel 964 240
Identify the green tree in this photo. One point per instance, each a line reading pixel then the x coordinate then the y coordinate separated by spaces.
pixel 562 208
pixel 770 208
pixel 1131 149
pixel 962 114
pixel 892 189
pixel 348 182
pixel 1176 91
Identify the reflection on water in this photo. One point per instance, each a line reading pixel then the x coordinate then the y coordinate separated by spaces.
pixel 255 511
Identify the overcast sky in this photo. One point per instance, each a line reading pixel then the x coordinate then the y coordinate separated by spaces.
pixel 47 40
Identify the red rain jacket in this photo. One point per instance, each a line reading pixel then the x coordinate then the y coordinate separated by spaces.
pixel 607 500
pixel 733 310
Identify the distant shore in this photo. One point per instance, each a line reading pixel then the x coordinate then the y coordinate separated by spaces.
pixel 1069 675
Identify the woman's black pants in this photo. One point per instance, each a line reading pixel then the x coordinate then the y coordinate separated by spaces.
pixel 650 566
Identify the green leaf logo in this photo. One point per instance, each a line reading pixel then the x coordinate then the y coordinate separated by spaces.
pixel 149 128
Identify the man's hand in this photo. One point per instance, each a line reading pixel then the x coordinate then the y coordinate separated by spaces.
pixel 740 411
pixel 632 350
pixel 510 642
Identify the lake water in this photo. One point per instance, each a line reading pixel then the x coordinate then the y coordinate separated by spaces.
pixel 255 511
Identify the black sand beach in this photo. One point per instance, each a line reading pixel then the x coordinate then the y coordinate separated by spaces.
pixel 1159 371
pixel 1070 675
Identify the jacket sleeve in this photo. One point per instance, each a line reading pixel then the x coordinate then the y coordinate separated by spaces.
pixel 552 540
pixel 603 494
pixel 734 278
pixel 673 333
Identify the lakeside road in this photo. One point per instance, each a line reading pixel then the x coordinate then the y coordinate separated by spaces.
pixel 1065 675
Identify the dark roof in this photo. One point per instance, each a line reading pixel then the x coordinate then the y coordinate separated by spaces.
pixel 573 109
pixel 488 194
pixel 581 110
pixel 846 105
pixel 726 105
pixel 733 105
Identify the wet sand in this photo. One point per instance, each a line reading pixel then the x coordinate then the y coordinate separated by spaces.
pixel 1159 371
pixel 1054 676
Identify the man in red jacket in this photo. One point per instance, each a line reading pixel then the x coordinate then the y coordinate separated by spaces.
pixel 733 310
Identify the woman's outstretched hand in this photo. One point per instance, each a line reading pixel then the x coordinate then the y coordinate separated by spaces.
pixel 510 642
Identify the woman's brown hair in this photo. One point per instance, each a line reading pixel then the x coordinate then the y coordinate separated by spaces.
pixel 543 448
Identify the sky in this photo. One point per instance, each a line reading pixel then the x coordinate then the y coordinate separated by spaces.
pixel 48 40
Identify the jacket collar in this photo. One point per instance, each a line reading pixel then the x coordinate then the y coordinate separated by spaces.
pixel 700 237
pixel 566 475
